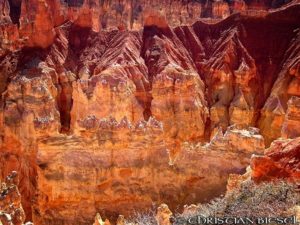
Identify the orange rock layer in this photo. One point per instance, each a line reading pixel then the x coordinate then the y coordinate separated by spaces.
pixel 32 22
pixel 113 120
pixel 281 160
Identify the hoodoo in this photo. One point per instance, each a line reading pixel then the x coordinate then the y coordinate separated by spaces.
pixel 118 107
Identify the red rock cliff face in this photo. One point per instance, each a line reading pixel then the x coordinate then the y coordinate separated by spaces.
pixel 112 120
pixel 281 160
pixel 32 22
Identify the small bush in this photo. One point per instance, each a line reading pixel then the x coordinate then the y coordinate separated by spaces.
pixel 144 218
pixel 271 199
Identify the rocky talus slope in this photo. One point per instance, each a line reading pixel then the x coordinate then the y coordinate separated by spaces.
pixel 111 115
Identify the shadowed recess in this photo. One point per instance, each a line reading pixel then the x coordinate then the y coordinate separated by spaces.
pixel 15 11
pixel 74 3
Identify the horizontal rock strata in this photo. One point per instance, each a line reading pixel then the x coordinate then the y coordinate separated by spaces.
pixel 111 120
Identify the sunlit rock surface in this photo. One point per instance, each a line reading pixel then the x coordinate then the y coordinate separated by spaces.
pixel 281 160
pixel 110 115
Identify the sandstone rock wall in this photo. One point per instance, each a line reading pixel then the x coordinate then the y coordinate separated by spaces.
pixel 282 102
pixel 32 22
pixel 114 120
pixel 116 167
pixel 280 161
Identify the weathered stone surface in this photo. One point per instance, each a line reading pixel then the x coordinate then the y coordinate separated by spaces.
pixel 112 120
pixel 36 23
pixel 11 211
pixel 291 124
pixel 9 34
pixel 281 160
pixel 175 84
pixel 236 139
pixel 281 106
pixel 128 162
pixel 99 221
pixel 163 215
pixel 121 220
pixel 220 9
pixel 33 22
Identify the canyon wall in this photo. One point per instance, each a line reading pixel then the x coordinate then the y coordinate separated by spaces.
pixel 97 119
pixel 32 22
pixel 280 161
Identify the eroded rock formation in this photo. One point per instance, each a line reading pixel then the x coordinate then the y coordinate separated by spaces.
pixel 163 215
pixel 112 120
pixel 99 221
pixel 11 211
pixel 280 109
pixel 32 23
pixel 280 161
